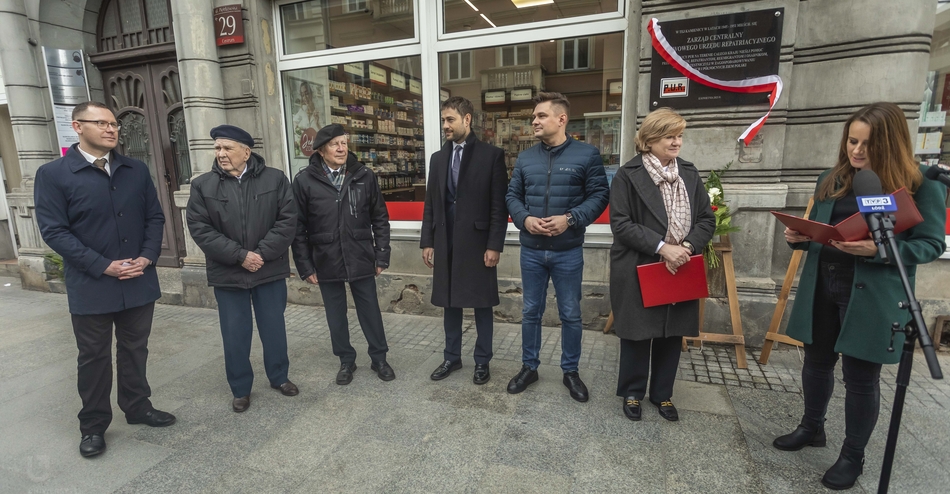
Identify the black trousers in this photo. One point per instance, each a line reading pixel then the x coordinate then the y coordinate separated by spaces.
pixel 484 326
pixel 367 311
pixel 862 401
pixel 94 340
pixel 234 313
pixel 657 359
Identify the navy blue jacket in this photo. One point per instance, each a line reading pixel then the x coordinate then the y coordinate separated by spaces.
pixel 550 181
pixel 91 219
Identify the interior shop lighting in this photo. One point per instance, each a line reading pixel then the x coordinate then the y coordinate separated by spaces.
pixel 472 6
pixel 488 20
pixel 530 3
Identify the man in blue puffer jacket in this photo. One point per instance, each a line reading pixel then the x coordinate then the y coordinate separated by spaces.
pixel 557 188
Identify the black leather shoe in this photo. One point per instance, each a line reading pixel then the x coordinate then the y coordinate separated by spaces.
pixel 154 418
pixel 577 388
pixel 482 375
pixel 667 410
pixel 799 438
pixel 444 369
pixel 631 408
pixel 92 444
pixel 346 374
pixel 240 404
pixel 522 380
pixel 383 370
pixel 287 389
pixel 844 473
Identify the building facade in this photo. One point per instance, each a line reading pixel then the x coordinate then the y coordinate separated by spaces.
pixel 381 67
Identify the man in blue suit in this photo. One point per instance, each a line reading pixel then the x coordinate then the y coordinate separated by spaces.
pixel 99 210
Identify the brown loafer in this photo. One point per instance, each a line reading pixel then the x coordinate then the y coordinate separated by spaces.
pixel 287 389
pixel 241 404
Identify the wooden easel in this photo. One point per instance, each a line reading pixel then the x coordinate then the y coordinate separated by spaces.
pixel 737 339
pixel 772 336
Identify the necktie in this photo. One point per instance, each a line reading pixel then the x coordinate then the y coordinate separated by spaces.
pixel 100 164
pixel 456 161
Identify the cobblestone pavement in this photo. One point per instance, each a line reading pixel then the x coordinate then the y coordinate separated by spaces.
pixel 416 435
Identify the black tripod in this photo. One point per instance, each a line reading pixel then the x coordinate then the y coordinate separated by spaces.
pixel 883 231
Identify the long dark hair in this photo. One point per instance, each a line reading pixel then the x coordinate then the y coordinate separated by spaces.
pixel 889 152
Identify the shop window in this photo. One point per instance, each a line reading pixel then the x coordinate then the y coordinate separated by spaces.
pixel 575 54
pixel 379 103
pixel 515 55
pixel 351 6
pixel 458 66
pixel 317 25
pixel 501 90
pixel 469 15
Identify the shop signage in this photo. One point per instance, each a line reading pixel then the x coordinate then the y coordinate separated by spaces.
pixel 615 88
pixel 67 88
pixel 443 95
pixel 415 86
pixel 731 47
pixel 377 74
pixel 521 94
pixel 398 81
pixel 494 97
pixel 228 25
pixel 354 68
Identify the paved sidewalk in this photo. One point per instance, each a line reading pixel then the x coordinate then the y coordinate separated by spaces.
pixel 416 435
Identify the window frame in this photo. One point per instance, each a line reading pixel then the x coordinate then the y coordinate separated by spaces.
pixel 347 9
pixel 620 13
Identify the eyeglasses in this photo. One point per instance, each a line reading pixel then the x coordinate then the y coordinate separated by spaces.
pixel 102 124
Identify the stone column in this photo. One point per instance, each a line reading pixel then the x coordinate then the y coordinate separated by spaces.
pixel 203 99
pixel 33 131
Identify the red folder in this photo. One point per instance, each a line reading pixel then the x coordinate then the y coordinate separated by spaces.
pixel 659 287
pixel 854 227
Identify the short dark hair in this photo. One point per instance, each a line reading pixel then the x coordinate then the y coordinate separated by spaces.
pixel 82 107
pixel 556 99
pixel 459 104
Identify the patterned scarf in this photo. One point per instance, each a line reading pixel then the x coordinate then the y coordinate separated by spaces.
pixel 337 180
pixel 675 198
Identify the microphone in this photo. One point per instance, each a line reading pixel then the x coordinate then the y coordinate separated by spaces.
pixel 867 183
pixel 938 173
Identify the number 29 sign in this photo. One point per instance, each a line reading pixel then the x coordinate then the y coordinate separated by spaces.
pixel 228 25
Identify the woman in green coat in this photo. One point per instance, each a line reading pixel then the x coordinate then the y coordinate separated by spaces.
pixel 847 296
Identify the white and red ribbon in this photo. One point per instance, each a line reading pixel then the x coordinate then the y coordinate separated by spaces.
pixel 771 83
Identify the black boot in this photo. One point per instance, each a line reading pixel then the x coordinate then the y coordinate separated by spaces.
pixel 799 438
pixel 845 472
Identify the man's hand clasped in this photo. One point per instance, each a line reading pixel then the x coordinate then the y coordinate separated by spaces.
pixel 551 226
pixel 253 261
pixel 126 269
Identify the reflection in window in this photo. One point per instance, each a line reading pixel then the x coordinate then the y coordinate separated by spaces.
pixel 379 103
pixel 468 15
pixel 325 24
pixel 504 79
pixel 575 54
pixel 459 65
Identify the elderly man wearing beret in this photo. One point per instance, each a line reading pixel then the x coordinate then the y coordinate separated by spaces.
pixel 242 215
pixel 343 237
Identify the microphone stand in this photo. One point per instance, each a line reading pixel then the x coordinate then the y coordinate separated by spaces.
pixel 915 329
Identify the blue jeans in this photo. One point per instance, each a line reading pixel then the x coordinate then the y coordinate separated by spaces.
pixel 566 269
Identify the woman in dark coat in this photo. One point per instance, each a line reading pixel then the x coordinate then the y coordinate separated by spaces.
pixel 659 211
pixel 847 296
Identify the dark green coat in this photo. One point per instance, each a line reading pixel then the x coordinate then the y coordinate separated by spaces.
pixel 877 289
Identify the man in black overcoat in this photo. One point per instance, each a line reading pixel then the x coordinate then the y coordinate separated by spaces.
pixel 463 234
pixel 99 210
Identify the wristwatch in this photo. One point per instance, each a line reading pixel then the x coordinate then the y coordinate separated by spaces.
pixel 689 246
pixel 570 219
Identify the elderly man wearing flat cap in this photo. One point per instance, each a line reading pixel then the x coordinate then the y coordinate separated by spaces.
pixel 343 237
pixel 242 215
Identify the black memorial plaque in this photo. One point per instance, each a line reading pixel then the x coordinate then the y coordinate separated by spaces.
pixel 728 47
